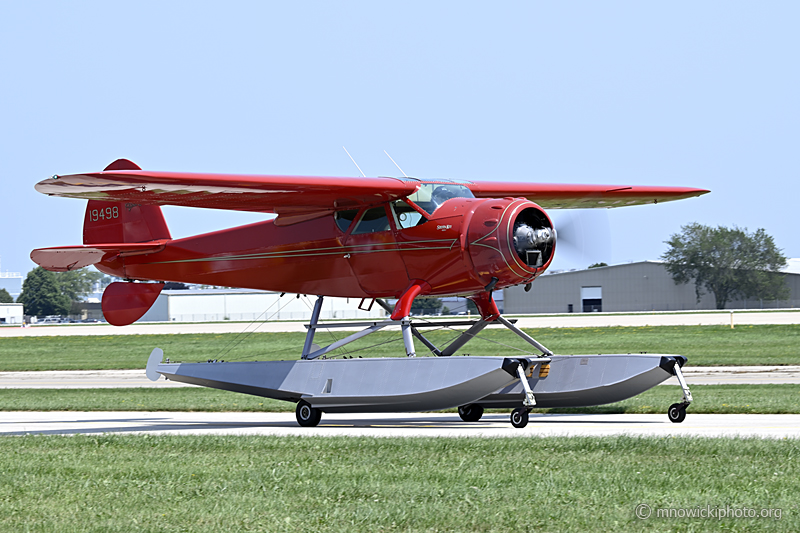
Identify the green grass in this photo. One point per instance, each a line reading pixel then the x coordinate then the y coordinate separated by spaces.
pixel 338 484
pixel 704 345
pixel 740 399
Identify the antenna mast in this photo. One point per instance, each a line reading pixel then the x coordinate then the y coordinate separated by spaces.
pixel 354 161
pixel 395 164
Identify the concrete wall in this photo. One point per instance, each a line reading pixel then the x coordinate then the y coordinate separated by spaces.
pixel 644 286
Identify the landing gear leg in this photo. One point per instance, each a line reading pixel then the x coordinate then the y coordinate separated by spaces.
pixel 677 411
pixel 520 415
pixel 307 416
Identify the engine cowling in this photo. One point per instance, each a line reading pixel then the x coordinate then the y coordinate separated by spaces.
pixel 512 240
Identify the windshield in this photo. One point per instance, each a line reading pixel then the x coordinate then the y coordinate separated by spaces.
pixel 431 195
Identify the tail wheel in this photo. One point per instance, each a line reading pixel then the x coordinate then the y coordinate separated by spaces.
pixel 519 417
pixel 307 416
pixel 470 413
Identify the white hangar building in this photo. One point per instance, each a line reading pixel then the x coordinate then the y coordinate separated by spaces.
pixel 11 314
pixel 211 305
pixel 643 286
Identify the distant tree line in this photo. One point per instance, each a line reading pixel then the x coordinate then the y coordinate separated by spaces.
pixel 730 263
pixel 53 293
pixel 426 305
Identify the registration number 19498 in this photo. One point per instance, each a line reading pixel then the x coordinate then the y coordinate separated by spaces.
pixel 103 214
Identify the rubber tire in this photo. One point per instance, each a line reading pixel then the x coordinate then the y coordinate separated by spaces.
pixel 306 415
pixel 676 413
pixel 519 417
pixel 471 412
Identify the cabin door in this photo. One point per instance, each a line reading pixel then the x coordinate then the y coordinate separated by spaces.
pixel 373 254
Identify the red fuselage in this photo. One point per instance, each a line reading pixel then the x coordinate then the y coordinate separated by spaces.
pixel 376 251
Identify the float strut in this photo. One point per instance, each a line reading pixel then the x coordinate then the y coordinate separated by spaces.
pixel 310 334
pixel 524 335
pixel 408 338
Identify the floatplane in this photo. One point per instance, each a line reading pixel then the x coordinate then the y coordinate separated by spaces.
pixel 375 239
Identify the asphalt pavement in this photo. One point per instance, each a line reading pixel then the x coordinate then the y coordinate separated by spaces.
pixel 396 425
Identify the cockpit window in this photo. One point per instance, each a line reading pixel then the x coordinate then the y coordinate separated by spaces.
pixel 406 216
pixel 372 221
pixel 431 195
pixel 345 218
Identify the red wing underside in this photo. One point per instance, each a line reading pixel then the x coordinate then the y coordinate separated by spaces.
pixel 293 196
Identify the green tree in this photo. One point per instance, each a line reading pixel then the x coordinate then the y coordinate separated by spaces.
pixel 76 284
pixel 730 263
pixel 52 293
pixel 5 298
pixel 598 265
pixel 426 305
pixel 41 294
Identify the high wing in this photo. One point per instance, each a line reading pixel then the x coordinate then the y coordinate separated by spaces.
pixel 304 196
pixel 569 196
pixel 266 194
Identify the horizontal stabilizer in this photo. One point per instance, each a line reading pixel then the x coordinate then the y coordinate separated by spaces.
pixel 65 258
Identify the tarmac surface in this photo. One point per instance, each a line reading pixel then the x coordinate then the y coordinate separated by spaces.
pixel 396 425
pixel 112 379
pixel 576 320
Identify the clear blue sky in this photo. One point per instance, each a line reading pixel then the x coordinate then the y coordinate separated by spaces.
pixel 703 94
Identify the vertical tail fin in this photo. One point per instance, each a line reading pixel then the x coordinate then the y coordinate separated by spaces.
pixel 121 222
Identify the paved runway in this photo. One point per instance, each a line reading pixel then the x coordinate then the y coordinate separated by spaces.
pixel 741 375
pixel 112 379
pixel 82 379
pixel 395 425
pixel 575 320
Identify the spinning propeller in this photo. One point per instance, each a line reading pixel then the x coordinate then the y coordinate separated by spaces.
pixel 583 238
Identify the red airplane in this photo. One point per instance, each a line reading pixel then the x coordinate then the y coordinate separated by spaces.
pixel 348 237
pixel 369 238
